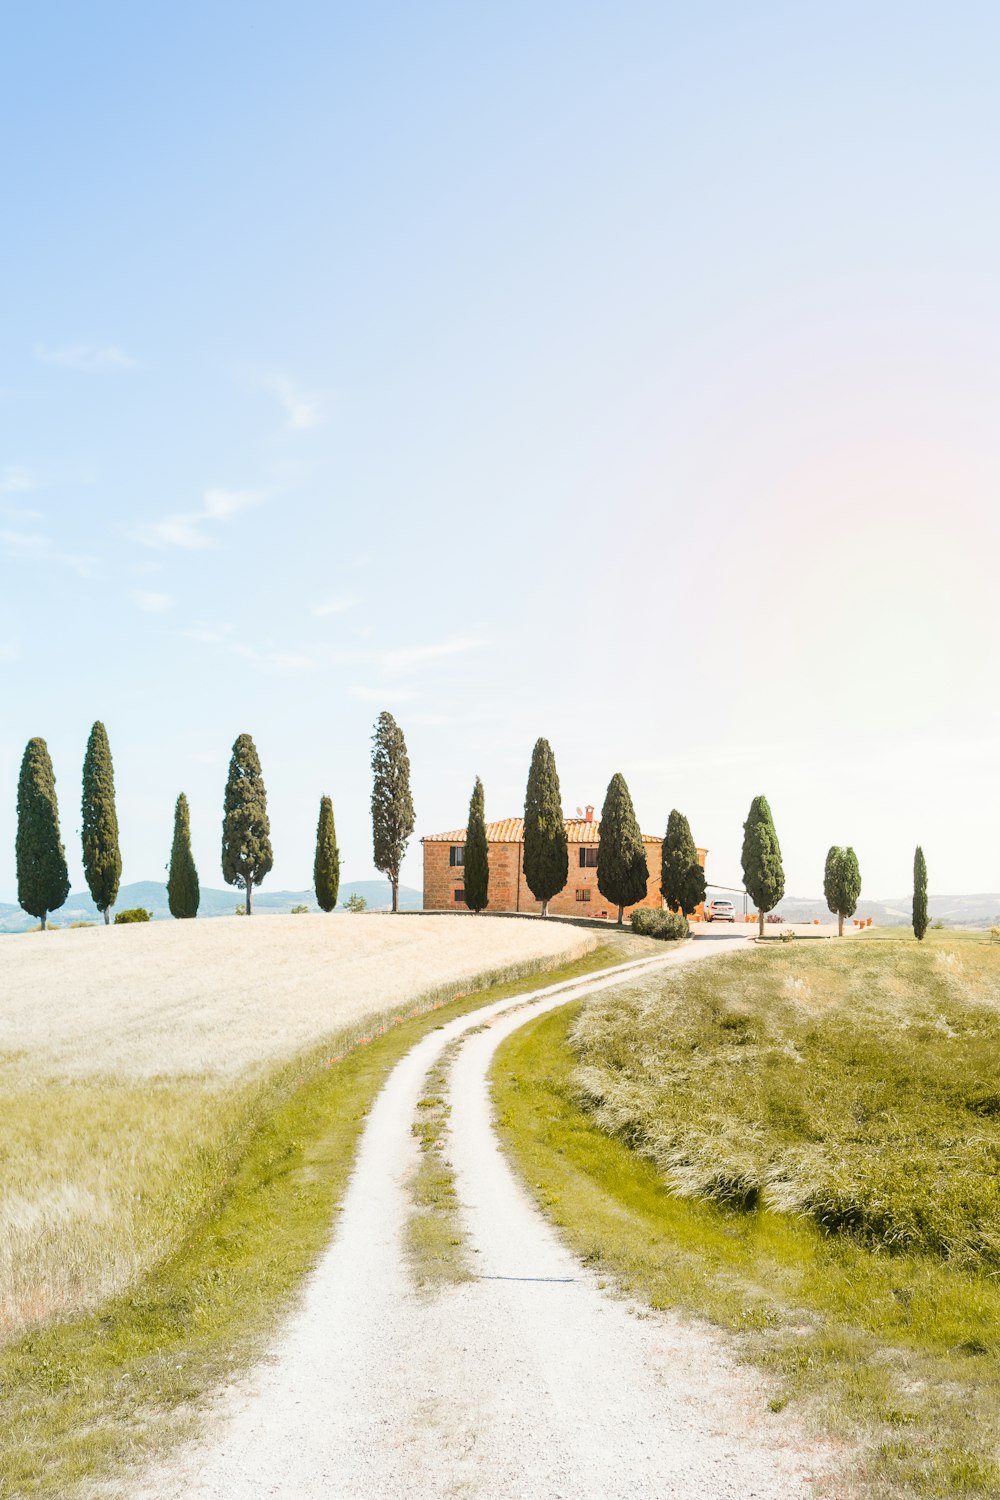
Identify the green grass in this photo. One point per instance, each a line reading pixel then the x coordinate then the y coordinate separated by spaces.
pixel 434 1237
pixel 895 1354
pixel 89 1395
pixel 851 1083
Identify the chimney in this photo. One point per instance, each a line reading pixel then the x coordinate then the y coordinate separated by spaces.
pixel 590 813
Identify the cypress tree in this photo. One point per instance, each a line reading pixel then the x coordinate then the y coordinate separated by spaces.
pixel 546 854
pixel 763 875
pixel 682 879
pixel 102 860
pixel 326 869
pixel 919 895
pixel 842 884
pixel 476 868
pixel 247 856
pixel 392 803
pixel 42 877
pixel 183 890
pixel 622 871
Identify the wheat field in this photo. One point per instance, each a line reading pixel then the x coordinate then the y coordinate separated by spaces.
pixel 134 1060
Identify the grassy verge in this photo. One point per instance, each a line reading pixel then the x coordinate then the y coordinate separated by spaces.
pixel 896 1356
pixel 435 1242
pixel 90 1395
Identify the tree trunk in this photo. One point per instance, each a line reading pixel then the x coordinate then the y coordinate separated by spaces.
pixel 621 916
pixel 249 898
pixel 545 907
pixel 107 917
pixel 395 892
pixel 43 919
pixel 840 924
pixel 760 918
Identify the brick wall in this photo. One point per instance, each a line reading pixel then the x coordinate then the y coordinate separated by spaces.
pixel 509 889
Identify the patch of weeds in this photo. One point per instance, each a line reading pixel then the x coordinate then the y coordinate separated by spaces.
pixel 435 1241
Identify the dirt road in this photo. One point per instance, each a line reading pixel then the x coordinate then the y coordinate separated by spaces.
pixel 527 1381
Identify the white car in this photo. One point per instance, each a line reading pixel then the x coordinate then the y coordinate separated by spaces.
pixel 720 910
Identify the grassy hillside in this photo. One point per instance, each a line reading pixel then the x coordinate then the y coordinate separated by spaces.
pixel 801 1144
pixel 853 1084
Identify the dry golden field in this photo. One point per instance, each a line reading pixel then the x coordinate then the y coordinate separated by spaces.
pixel 134 1059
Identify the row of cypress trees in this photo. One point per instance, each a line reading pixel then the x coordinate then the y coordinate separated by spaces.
pixel 764 877
pixel 622 868
pixel 247 855
pixel 42 874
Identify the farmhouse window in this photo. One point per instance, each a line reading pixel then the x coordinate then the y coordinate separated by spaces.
pixel 583 895
pixel 588 859
pixel 459 893
pixel 457 856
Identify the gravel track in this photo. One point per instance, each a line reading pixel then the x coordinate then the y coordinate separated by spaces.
pixel 527 1381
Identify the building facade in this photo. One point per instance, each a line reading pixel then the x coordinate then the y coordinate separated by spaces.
pixel 444 855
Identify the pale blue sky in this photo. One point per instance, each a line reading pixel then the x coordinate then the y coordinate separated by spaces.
pixel 626 374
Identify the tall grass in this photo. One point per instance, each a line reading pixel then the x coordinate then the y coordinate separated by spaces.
pixel 90 1394
pixel 856 1085
pixel 102 1174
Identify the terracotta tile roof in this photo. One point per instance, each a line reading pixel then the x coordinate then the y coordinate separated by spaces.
pixel 511 831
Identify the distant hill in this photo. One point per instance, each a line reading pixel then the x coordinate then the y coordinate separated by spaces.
pixel 953 911
pixel 152 894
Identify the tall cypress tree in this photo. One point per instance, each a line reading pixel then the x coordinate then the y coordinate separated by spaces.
pixel 102 860
pixel 622 871
pixel 476 869
pixel 842 884
pixel 546 853
pixel 919 895
pixel 392 802
pixel 326 868
pixel 763 874
pixel 42 877
pixel 247 856
pixel 682 879
pixel 183 890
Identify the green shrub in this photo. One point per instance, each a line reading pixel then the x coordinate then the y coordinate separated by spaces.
pixel 133 914
pixel 355 902
pixel 298 911
pixel 669 926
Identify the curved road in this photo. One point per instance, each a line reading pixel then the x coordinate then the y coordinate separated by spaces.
pixel 525 1383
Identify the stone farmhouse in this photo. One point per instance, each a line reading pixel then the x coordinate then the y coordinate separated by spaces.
pixel 444 855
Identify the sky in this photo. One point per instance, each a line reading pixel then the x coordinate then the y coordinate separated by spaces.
pixel 624 374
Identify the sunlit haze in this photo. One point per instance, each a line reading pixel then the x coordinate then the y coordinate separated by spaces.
pixel 627 375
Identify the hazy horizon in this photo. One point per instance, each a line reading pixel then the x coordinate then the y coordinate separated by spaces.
pixel 625 375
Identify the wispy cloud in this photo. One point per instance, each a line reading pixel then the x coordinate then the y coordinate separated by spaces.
pixel 91 359
pixel 409 657
pixel 331 607
pixel 34 546
pixel 380 694
pixel 8 651
pixel 266 657
pixel 15 480
pixel 302 408
pixel 151 601
pixel 406 660
pixel 192 529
